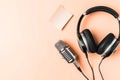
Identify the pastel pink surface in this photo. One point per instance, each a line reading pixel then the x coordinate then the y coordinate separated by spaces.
pixel 27 40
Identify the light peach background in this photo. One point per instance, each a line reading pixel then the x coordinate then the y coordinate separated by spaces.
pixel 27 40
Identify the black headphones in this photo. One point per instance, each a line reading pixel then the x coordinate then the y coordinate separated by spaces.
pixel 86 40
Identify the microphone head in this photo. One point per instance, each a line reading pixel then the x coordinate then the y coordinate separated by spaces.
pixel 60 45
pixel 65 51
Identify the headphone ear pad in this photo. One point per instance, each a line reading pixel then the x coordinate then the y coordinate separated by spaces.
pixel 89 40
pixel 105 43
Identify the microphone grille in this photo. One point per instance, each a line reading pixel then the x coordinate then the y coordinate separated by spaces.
pixel 65 51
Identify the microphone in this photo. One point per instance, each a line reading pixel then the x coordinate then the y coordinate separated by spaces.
pixel 66 51
pixel 68 54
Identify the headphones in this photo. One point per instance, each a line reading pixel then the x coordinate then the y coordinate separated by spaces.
pixel 86 40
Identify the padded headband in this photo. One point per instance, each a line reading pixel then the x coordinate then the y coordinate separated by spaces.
pixel 99 8
pixel 103 8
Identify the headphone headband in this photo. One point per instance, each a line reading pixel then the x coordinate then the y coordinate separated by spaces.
pixel 99 8
pixel 103 8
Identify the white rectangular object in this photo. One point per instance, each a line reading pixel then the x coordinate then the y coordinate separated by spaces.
pixel 61 17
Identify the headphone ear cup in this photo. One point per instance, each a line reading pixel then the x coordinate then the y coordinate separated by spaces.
pixel 105 43
pixel 81 43
pixel 89 41
pixel 109 52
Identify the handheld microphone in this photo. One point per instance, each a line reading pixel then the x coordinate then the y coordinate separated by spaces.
pixel 66 51
pixel 68 54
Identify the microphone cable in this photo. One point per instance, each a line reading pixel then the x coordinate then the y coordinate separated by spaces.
pixel 100 68
pixel 75 63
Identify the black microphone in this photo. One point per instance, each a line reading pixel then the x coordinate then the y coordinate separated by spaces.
pixel 66 51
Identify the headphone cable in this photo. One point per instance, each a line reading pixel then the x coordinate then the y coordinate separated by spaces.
pixel 90 65
pixel 100 68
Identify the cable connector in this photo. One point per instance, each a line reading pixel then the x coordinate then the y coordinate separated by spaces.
pixel 78 67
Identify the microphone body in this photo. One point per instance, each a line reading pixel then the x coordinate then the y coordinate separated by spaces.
pixel 65 51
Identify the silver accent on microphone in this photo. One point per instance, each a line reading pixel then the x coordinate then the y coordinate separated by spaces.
pixel 66 51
